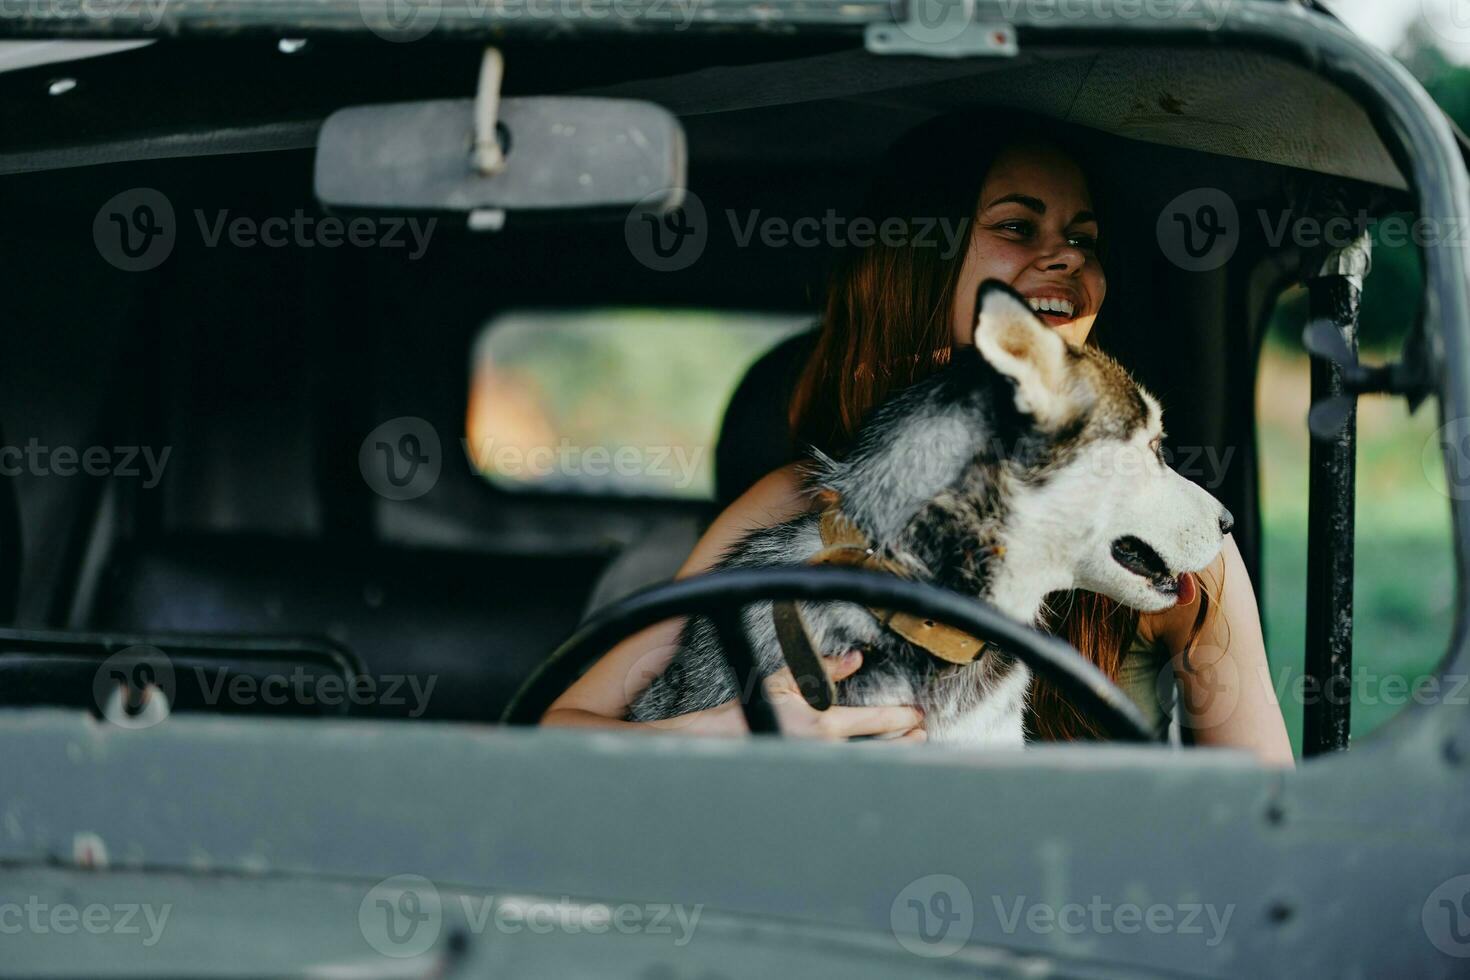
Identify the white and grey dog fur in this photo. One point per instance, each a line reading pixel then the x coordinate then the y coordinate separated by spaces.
pixel 1024 467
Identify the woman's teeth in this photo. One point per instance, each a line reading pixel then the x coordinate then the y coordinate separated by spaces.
pixel 1056 307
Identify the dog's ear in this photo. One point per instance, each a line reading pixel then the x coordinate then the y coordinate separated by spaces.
pixel 1018 345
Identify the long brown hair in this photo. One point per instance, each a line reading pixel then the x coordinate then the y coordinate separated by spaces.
pixel 887 323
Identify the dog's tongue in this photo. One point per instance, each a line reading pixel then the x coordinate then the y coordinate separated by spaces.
pixel 1187 589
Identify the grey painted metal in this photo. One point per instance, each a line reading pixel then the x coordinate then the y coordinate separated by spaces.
pixel 951 35
pixel 804 839
pixel 396 21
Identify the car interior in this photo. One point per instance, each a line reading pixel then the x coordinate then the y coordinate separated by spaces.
pixel 262 369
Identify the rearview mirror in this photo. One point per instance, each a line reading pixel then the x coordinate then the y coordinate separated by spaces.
pixel 568 158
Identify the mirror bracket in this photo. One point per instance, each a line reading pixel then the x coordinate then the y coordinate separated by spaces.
pixel 489 158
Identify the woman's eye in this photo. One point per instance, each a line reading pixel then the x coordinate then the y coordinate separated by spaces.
pixel 1018 227
pixel 1086 243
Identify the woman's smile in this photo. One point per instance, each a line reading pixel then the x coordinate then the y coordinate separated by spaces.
pixel 1057 305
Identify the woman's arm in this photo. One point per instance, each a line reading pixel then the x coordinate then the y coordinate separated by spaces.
pixel 1226 691
pixel 600 698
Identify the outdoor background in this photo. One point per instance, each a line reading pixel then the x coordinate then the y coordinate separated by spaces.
pixel 1403 609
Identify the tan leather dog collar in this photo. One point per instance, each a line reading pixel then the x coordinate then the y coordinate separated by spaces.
pixel 844 544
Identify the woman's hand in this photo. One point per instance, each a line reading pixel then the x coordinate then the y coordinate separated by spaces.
pixel 898 723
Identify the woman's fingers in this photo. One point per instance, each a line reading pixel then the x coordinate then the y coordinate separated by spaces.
pixel 897 723
pixel 845 722
pixel 841 667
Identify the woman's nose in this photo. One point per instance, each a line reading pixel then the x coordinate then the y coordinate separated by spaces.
pixel 1066 257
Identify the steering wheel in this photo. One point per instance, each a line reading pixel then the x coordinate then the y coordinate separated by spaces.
pixel 721 595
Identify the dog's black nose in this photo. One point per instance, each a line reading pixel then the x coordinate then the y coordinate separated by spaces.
pixel 1226 521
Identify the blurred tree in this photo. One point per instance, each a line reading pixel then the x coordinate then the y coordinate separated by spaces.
pixel 1391 298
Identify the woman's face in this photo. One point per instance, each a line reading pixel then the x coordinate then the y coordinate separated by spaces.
pixel 1035 230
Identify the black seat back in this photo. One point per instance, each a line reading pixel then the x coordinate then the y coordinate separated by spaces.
pixel 754 437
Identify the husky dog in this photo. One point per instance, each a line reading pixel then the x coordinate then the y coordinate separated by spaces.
pixel 1024 467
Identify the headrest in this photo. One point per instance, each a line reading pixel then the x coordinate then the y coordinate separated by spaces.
pixel 754 438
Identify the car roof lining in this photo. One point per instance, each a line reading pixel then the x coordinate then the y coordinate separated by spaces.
pixel 1202 99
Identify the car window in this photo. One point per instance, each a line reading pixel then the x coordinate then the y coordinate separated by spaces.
pixel 1403 590
pixel 610 401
